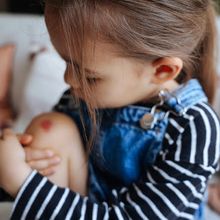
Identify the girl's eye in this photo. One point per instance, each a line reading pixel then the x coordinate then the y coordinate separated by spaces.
pixel 92 80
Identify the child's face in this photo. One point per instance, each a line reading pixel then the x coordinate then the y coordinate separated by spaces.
pixel 115 81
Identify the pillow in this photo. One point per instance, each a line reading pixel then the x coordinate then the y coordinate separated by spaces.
pixel 6 63
pixel 43 86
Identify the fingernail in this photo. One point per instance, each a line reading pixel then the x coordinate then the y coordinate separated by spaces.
pixel 28 137
pixel 50 153
pixel 23 138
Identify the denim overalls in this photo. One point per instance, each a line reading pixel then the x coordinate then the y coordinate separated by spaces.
pixel 127 143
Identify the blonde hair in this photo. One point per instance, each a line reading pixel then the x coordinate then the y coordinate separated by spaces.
pixel 144 28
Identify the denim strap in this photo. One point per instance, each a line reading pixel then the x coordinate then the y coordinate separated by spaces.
pixel 185 96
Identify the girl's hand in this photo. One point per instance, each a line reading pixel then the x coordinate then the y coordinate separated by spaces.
pixel 42 160
pixel 13 168
pixel 214 197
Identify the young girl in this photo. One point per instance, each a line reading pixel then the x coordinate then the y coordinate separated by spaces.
pixel 141 74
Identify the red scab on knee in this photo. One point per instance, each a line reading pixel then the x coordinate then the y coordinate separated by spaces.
pixel 46 125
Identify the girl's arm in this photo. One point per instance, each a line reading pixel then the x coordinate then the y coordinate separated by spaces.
pixel 170 193
pixel 170 189
pixel 13 168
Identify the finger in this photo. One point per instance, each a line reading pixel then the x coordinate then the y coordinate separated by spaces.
pixel 37 154
pixel 49 171
pixel 44 164
pixel 214 204
pixel 25 139
pixel 213 201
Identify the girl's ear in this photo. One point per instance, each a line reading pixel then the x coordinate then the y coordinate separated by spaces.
pixel 166 68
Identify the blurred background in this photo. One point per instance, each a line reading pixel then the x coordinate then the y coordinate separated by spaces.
pixel 35 6
pixel 36 58
pixel 21 6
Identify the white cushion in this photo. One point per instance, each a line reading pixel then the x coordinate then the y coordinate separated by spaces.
pixel 36 85
pixel 43 88
pixel 23 30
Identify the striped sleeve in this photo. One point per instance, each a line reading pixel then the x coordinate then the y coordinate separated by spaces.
pixel 169 190
pixel 198 139
pixel 172 188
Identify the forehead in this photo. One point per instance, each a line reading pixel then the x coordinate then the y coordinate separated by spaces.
pixel 68 43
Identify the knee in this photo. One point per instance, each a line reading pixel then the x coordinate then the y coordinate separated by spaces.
pixel 52 130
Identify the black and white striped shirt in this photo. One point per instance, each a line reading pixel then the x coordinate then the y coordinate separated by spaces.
pixel 172 188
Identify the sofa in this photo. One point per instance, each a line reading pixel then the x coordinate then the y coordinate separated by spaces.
pixel 37 81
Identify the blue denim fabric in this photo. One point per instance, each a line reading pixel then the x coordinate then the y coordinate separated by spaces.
pixel 187 95
pixel 200 215
pixel 124 150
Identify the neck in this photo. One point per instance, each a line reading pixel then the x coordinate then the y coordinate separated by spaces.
pixel 171 86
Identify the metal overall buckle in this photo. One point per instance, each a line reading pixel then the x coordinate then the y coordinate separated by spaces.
pixel 149 119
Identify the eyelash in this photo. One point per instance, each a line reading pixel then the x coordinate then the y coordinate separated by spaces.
pixel 92 80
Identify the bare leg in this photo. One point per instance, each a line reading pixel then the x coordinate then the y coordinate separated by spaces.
pixel 58 132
